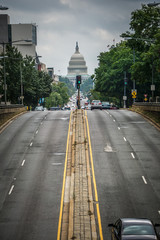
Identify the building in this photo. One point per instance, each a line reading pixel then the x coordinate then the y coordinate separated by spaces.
pixel 16 33
pixel 24 32
pixel 54 77
pixel 77 66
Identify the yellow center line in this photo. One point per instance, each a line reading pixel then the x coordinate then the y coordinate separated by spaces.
pixel 94 182
pixel 63 186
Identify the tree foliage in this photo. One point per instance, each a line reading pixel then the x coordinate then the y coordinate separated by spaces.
pixel 22 75
pixel 59 95
pixel 138 56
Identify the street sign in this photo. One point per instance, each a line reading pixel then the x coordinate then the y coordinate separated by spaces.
pixel 21 97
pixel 152 87
pixel 124 98
pixel 134 93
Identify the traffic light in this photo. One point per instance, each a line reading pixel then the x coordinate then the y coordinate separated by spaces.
pixel 78 79
pixel 125 81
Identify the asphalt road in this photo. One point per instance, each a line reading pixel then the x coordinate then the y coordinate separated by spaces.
pixel 126 155
pixel 32 156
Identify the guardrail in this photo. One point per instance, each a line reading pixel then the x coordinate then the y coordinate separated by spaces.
pixel 9 111
pixel 3 106
pixel 148 106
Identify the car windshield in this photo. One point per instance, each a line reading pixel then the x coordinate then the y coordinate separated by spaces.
pixel 105 103
pixel 138 230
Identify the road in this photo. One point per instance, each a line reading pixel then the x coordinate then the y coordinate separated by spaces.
pixel 32 155
pixel 126 150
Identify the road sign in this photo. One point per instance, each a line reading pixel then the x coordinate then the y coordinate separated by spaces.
pixel 124 98
pixel 152 87
pixel 134 93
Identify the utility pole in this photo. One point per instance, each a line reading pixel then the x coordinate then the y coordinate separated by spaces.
pixel 125 84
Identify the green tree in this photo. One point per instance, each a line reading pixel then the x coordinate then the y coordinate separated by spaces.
pixel 145 40
pixel 13 74
pixel 109 76
pixel 71 89
pixel 144 24
pixel 59 95
pixel 22 70
pixel 87 85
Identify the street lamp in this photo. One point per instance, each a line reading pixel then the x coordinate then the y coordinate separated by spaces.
pixel 4 67
pixel 3 7
pixel 153 4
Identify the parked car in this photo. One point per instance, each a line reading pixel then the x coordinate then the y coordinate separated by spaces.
pixel 134 228
pixel 96 104
pixel 105 105
pixel 112 106
pixel 39 108
pixel 54 108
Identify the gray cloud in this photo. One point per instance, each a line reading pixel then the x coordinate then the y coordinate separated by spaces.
pixel 93 23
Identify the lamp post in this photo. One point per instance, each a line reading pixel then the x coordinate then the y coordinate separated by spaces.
pixel 3 7
pixel 4 67
pixel 153 4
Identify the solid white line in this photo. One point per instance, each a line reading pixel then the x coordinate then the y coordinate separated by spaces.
pixel 114 120
pixel 41 123
pixel 36 131
pixel 144 180
pixel 118 128
pixel 124 139
pixel 23 163
pixel 110 115
pixel 159 212
pixel 11 190
pixel 132 155
pixel 31 144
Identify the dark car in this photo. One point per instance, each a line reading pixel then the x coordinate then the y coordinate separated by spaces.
pixel 54 108
pixel 112 106
pixel 105 105
pixel 134 228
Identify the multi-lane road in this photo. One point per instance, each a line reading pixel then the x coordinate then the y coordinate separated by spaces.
pixel 126 156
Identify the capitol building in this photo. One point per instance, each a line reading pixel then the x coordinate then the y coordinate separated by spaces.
pixel 77 66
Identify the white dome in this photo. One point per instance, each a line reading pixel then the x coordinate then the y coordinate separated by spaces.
pixel 77 64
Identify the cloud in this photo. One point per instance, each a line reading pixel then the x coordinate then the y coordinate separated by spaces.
pixel 93 23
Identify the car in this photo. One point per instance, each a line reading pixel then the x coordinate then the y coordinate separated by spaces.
pixel 39 108
pixel 112 106
pixel 54 108
pixel 105 105
pixel 134 228
pixel 96 104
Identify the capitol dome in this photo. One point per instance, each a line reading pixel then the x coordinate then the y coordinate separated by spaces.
pixel 77 64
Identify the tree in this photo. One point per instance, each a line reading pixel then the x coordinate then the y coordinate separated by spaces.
pixel 59 95
pixel 109 76
pixel 145 40
pixel 87 85
pixel 71 89
pixel 144 24
pixel 21 71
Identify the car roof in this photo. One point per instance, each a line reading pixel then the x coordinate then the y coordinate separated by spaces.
pixel 136 220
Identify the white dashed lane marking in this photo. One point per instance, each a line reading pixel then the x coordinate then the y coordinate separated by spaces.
pixel 11 189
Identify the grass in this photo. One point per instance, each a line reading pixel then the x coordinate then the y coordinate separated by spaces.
pixel 153 116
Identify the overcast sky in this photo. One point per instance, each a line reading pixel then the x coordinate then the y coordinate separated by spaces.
pixel 93 23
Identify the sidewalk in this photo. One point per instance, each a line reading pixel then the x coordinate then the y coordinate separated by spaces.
pixel 78 221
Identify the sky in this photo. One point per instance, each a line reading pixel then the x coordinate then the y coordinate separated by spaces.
pixel 94 24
